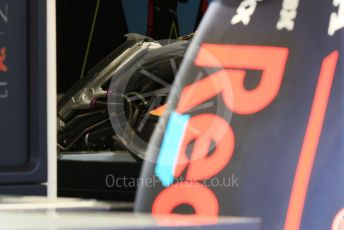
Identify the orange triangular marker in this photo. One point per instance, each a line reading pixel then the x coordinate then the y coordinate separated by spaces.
pixel 158 111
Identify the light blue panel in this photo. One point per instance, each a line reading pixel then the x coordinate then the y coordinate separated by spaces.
pixel 169 148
